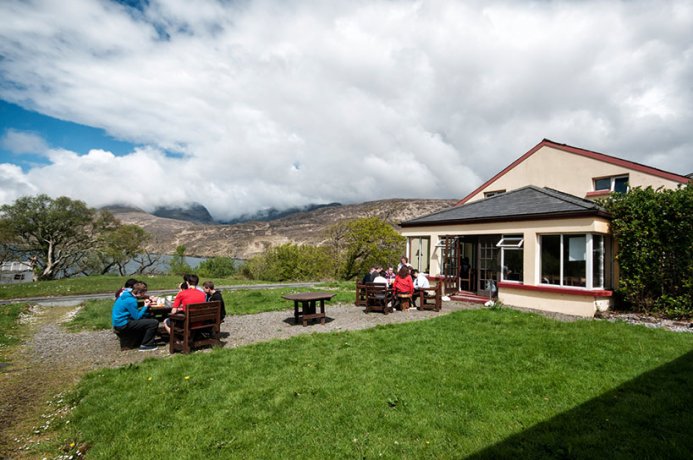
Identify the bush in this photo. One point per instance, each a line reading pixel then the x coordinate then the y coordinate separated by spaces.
pixel 654 230
pixel 291 262
pixel 216 267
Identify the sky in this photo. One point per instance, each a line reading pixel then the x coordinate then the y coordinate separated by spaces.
pixel 249 105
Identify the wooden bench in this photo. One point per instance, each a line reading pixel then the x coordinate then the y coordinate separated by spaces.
pixel 187 328
pixel 430 298
pixel 361 300
pixel 377 298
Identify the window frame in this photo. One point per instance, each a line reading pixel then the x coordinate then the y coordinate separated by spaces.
pixel 612 182
pixel 491 193
pixel 590 242
pixel 506 243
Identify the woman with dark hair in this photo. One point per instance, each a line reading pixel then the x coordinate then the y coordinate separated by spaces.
pixel 403 285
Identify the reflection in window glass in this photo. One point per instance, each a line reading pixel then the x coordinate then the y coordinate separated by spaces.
pixel 574 261
pixel 602 184
pixel 551 259
pixel 512 264
pixel 597 261
pixel 621 184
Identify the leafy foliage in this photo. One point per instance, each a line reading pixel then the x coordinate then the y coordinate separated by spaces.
pixel 654 230
pixel 178 265
pixel 216 267
pixel 291 262
pixel 361 243
pixel 63 237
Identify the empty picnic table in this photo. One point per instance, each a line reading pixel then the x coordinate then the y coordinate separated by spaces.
pixel 307 309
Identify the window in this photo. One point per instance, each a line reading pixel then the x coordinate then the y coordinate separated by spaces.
pixel 419 251
pixel 618 184
pixel 493 193
pixel 512 257
pixel 574 260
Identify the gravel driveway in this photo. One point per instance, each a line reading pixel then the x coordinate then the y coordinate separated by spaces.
pixel 53 346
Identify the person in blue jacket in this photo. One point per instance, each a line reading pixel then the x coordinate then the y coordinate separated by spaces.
pixel 128 319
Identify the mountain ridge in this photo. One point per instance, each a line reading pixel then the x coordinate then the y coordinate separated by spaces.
pixel 246 239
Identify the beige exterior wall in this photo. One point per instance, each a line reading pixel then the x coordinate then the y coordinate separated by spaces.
pixel 569 304
pixel 531 229
pixel 567 172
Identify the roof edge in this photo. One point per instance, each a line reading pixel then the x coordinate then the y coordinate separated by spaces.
pixel 539 216
pixel 582 152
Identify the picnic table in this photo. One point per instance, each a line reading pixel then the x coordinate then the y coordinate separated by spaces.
pixel 307 309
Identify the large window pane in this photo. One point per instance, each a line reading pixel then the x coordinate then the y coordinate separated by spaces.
pixel 574 260
pixel 551 259
pixel 512 264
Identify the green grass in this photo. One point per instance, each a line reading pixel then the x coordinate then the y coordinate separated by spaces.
pixel 493 384
pixel 10 329
pixel 96 314
pixel 93 316
pixel 98 284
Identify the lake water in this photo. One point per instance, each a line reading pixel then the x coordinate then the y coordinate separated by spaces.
pixel 162 266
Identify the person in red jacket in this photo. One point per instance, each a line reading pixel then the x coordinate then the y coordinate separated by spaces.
pixel 402 285
pixel 185 297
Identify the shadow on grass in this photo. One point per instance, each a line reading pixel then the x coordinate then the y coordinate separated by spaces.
pixel 650 416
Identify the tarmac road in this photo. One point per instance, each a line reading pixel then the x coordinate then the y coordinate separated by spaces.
pixel 65 301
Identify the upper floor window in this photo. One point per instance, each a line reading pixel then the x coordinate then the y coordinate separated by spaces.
pixel 493 193
pixel 618 184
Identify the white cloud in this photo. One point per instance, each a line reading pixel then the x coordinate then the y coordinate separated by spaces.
pixel 372 99
pixel 23 142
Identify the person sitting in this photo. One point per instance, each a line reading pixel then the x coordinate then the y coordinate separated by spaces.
pixel 390 275
pixel 186 279
pixel 214 295
pixel 368 277
pixel 126 318
pixel 127 287
pixel 402 285
pixel 420 282
pixel 188 295
pixel 380 278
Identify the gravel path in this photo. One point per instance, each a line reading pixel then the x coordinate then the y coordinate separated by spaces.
pixel 53 346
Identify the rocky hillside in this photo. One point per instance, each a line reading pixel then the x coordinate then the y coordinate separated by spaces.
pixel 247 239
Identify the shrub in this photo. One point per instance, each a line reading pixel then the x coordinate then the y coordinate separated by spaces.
pixel 216 267
pixel 291 262
pixel 654 230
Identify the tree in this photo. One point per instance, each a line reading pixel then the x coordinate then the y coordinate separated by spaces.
pixel 116 246
pixel 357 245
pixel 59 232
pixel 654 230
pixel 178 265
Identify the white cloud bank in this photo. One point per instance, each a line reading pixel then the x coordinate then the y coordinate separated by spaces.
pixel 275 103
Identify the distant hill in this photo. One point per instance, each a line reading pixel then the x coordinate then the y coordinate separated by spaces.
pixel 194 213
pixel 246 239
pixel 274 214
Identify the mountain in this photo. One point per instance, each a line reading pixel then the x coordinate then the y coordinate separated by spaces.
pixel 246 239
pixel 194 213
pixel 274 214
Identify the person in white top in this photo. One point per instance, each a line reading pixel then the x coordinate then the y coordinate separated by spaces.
pixel 420 282
pixel 380 278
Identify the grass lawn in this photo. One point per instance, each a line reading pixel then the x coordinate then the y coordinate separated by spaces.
pixel 487 383
pixel 98 284
pixel 10 329
pixel 96 314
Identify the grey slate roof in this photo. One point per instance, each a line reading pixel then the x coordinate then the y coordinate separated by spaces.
pixel 522 203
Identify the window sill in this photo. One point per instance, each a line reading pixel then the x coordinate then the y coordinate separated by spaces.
pixel 598 193
pixel 557 289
